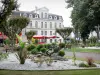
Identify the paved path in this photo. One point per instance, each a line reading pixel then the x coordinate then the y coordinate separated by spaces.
pixel 95 56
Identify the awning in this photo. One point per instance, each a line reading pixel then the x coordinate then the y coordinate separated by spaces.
pixel 38 37
pixel 44 37
pixel 48 37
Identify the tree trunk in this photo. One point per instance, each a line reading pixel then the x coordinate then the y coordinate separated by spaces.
pixel 12 44
pixel 84 41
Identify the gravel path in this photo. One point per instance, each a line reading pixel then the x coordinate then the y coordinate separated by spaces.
pixel 13 64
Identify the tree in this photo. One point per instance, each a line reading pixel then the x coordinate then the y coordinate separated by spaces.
pixel 13 26
pixel 29 35
pixel 6 9
pixel 65 32
pixel 85 15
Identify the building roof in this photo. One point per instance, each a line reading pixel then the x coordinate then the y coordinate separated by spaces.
pixel 33 14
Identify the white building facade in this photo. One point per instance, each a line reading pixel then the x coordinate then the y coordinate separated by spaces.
pixel 43 23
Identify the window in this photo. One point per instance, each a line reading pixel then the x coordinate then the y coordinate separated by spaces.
pixel 41 24
pixel 50 24
pixel 60 40
pixel 45 40
pixel 25 15
pixel 45 24
pixel 41 32
pixel 20 14
pixel 30 24
pixel 42 40
pixel 45 15
pixel 60 18
pixel 45 32
pixel 42 15
pixel 36 24
pixel 50 40
pixel 55 17
pixel 55 40
pixel 59 25
pixel 55 25
pixel 50 17
pixel 36 16
pixel 30 15
pixel 50 32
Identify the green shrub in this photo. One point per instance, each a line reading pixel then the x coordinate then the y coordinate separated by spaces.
pixel 36 41
pixel 83 65
pixel 56 49
pixel 86 65
pixel 61 53
pixel 34 51
pixel 73 41
pixel 62 45
pixel 48 46
pixel 43 50
pixel 90 62
pixel 39 47
pixel 31 47
pixel 91 44
pixel 98 44
pixel 3 56
pixel 93 39
pixel 6 41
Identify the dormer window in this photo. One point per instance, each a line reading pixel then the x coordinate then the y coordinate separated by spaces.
pixel 50 17
pixel 36 16
pixel 42 15
pixel 55 17
pixel 60 18
pixel 25 15
pixel 30 15
pixel 45 15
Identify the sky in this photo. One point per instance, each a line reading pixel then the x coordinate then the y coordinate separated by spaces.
pixel 54 6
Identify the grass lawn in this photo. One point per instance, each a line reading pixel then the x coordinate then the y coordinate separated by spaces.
pixel 84 50
pixel 67 72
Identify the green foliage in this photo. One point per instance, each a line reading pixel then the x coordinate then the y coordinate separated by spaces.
pixel 83 65
pixel 3 56
pixel 5 10
pixel 98 44
pixel 92 44
pixel 34 51
pixel 43 50
pixel 85 16
pixel 6 41
pixel 61 53
pixel 31 47
pixel 56 49
pixel 30 34
pixel 22 52
pixel 64 32
pixel 62 45
pixel 48 46
pixel 86 65
pixel 93 39
pixel 13 26
pixel 36 41
pixel 73 41
pixel 39 47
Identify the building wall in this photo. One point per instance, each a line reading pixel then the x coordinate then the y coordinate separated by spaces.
pixel 50 23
